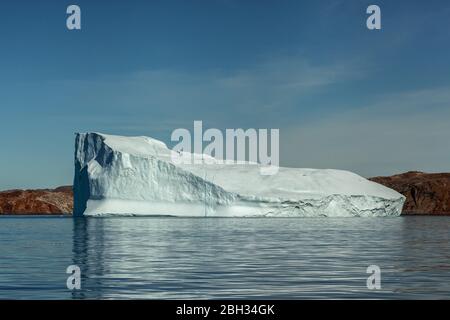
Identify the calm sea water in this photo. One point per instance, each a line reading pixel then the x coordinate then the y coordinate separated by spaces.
pixel 280 258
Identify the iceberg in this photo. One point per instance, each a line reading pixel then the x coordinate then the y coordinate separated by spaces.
pixel 116 175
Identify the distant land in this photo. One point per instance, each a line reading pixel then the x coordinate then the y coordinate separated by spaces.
pixel 41 201
pixel 426 194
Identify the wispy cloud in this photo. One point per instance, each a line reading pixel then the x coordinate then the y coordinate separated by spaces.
pixel 242 97
pixel 390 133
pixel 406 131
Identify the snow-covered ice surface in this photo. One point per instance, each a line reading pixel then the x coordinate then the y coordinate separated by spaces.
pixel 117 175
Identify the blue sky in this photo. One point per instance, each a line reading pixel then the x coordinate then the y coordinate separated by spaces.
pixel 373 102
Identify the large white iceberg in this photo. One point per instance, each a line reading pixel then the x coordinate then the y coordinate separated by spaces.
pixel 117 175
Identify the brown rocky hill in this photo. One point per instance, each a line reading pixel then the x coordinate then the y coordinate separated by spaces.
pixel 426 193
pixel 43 201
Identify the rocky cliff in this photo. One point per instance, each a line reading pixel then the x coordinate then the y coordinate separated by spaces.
pixel 43 201
pixel 426 193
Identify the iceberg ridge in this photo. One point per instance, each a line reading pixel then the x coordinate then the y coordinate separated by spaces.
pixel 117 175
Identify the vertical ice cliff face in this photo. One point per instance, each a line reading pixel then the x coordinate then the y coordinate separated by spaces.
pixel 117 175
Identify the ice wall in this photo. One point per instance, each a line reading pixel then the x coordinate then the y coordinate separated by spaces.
pixel 117 175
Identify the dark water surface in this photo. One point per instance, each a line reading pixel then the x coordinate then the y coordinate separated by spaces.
pixel 269 258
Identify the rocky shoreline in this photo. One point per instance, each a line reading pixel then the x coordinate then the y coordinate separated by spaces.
pixel 426 194
pixel 57 201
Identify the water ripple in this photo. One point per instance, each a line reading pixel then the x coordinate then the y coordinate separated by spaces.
pixel 272 258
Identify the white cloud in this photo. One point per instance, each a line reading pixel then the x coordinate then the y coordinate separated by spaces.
pixel 244 97
pixel 402 132
pixel 397 132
